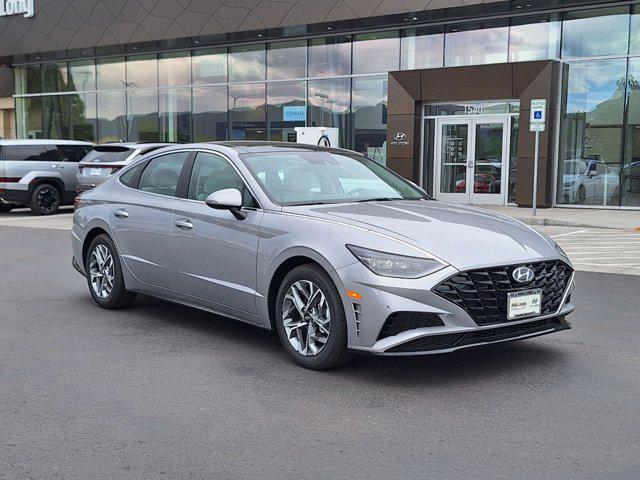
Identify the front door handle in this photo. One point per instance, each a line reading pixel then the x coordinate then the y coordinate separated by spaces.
pixel 184 224
pixel 121 213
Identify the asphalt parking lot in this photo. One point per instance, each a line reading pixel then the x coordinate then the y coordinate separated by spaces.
pixel 164 391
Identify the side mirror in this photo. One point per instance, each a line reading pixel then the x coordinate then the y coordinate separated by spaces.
pixel 227 199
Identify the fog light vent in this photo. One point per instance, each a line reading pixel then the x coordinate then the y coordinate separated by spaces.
pixel 399 322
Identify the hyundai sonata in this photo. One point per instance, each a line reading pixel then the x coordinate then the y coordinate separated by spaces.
pixel 333 251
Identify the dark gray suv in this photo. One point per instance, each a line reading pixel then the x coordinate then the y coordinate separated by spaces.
pixel 39 173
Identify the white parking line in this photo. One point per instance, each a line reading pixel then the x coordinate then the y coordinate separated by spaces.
pixel 567 234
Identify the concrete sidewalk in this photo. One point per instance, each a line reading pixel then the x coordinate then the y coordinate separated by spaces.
pixel 574 217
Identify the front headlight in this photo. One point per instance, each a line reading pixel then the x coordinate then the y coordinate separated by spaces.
pixel 392 265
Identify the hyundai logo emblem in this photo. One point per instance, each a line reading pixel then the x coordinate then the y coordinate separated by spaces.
pixel 523 275
pixel 400 136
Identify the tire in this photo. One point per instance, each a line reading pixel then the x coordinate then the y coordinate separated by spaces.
pixel 6 207
pixel 45 199
pixel 118 296
pixel 582 195
pixel 330 353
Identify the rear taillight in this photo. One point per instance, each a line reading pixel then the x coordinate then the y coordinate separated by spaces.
pixel 9 179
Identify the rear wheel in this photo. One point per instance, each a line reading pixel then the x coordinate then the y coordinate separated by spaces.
pixel 104 275
pixel 45 199
pixel 6 207
pixel 310 319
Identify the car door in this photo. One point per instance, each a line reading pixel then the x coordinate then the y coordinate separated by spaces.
pixel 64 161
pixel 215 252
pixel 142 219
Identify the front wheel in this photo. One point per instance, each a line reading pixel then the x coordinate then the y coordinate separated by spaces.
pixel 310 319
pixel 104 275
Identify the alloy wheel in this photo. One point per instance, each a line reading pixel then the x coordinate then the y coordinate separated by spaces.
pixel 101 271
pixel 47 199
pixel 306 318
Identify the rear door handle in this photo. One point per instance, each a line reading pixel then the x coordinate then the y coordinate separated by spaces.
pixel 57 167
pixel 184 224
pixel 121 213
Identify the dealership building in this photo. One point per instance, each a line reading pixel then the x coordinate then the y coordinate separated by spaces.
pixel 440 91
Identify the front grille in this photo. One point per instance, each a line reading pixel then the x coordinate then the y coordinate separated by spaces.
pixel 399 322
pixel 483 293
pixel 442 342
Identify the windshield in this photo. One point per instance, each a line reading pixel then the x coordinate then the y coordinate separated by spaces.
pixel 575 167
pixel 104 154
pixel 299 178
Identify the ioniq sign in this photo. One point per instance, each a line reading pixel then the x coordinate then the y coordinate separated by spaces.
pixel 17 7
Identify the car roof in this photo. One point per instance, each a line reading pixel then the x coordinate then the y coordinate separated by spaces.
pixel 135 145
pixel 248 146
pixel 43 142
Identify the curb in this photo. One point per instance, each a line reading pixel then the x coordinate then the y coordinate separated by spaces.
pixel 550 222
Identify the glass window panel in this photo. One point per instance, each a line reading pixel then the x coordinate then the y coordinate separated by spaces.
pixel 55 117
pixel 513 158
pixel 592 133
pixel 209 66
pixel 369 106
pixel 422 48
pixel 142 71
pixel 287 60
pixel 630 172
pixel 161 175
pixel 210 117
pixel 112 117
pixel 174 68
pixel 54 77
pixel 376 52
pixel 83 120
pixel 142 116
pixel 175 115
pixel 596 32
pixel 330 57
pixel 329 104
pixel 247 63
pixel 247 112
pixel 212 173
pixel 634 45
pixel 29 117
pixel 286 109
pixel 29 79
pixel 110 73
pixel 82 75
pixel 478 44
pixel 534 38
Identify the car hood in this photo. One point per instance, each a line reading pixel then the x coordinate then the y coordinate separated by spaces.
pixel 465 237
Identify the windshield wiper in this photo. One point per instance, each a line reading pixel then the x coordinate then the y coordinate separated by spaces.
pixel 379 199
pixel 308 203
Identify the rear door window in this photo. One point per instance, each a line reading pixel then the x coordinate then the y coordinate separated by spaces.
pixel 162 174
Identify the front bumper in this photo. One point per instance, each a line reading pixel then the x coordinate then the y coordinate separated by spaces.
pixel 382 297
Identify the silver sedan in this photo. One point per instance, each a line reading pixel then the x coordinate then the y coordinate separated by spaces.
pixel 333 251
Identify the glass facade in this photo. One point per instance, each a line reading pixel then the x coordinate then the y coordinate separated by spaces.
pixel 263 91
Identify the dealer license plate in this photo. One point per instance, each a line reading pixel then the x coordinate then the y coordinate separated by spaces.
pixel 524 304
pixel 96 172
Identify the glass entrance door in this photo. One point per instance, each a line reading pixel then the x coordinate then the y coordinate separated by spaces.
pixel 472 160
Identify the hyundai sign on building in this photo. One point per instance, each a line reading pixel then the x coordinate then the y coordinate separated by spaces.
pixel 441 95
